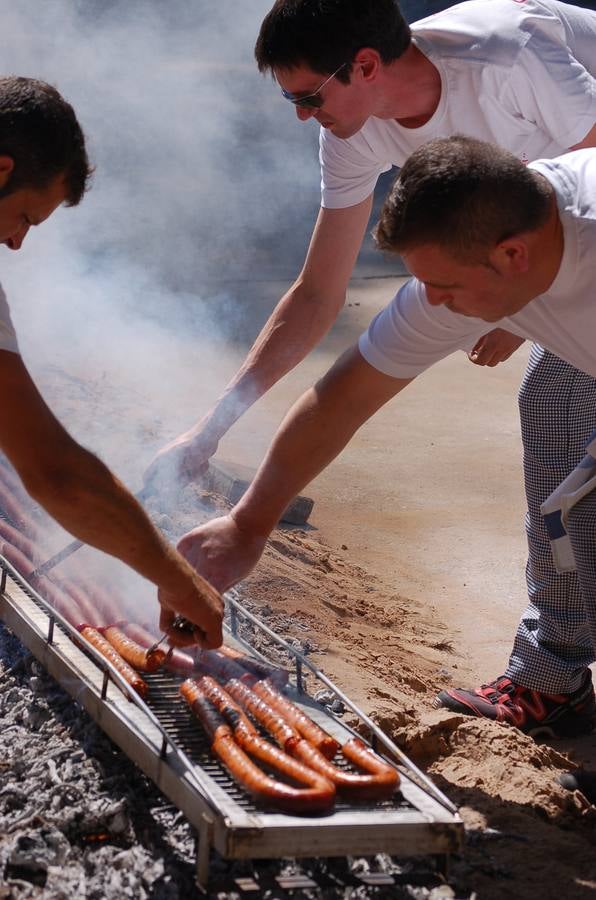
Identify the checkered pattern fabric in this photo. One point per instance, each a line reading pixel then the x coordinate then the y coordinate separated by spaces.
pixel 581 528
pixel 553 645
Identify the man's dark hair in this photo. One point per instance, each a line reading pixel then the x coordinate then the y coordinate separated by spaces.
pixel 323 34
pixel 463 195
pixel 40 132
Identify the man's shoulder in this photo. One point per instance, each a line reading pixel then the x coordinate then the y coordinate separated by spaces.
pixel 487 29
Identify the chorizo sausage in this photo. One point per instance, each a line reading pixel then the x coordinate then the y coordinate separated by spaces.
pixel 100 643
pixel 107 608
pixel 278 676
pixel 378 785
pixel 139 633
pixel 297 719
pixel 88 612
pixel 316 796
pixel 16 512
pixel 140 658
pixel 22 543
pixel 212 662
pixel 62 603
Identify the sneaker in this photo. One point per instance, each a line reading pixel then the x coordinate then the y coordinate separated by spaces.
pixel 534 713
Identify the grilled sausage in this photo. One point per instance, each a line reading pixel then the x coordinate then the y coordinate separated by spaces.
pixel 16 511
pixel 212 662
pixel 297 719
pixel 378 785
pixel 61 602
pixel 22 543
pixel 88 612
pixel 100 643
pixel 278 676
pixel 317 795
pixel 140 658
pixel 107 608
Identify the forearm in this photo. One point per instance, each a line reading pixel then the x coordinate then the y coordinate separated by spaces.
pixel 314 432
pixel 89 501
pixel 294 328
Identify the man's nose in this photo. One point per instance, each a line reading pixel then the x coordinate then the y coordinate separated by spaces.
pixel 15 241
pixel 305 113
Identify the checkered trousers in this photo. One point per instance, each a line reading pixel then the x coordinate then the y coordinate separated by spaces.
pixel 553 644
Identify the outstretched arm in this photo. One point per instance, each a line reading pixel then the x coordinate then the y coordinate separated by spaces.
pixel 81 493
pixel 300 320
pixel 313 433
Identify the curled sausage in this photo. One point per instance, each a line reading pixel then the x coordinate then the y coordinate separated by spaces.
pixel 379 784
pixel 140 658
pixel 100 643
pixel 316 795
pixel 297 719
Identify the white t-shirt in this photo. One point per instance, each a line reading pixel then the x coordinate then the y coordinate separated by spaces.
pixel 8 338
pixel 409 335
pixel 518 73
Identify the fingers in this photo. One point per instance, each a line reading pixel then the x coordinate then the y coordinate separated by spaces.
pixel 185 637
pixel 494 348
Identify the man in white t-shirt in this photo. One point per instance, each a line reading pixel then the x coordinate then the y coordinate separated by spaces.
pixel 518 73
pixel 43 165
pixel 488 239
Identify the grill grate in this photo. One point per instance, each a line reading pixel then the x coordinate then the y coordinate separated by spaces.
pixel 175 716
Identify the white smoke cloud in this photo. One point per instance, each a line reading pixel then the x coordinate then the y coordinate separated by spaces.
pixel 192 190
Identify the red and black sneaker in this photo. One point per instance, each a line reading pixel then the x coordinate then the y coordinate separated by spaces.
pixel 534 713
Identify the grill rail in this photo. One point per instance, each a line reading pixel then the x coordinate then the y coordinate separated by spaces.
pixel 167 743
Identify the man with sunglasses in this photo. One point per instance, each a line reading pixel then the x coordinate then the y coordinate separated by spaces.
pixel 521 73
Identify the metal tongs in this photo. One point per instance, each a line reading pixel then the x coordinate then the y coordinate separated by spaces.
pixel 183 626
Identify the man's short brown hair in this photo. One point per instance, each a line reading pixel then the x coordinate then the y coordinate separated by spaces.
pixel 40 132
pixel 325 34
pixel 463 195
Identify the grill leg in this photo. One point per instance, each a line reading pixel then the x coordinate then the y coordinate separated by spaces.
pixel 205 836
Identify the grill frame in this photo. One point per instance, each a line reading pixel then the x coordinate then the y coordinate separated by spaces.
pixel 421 823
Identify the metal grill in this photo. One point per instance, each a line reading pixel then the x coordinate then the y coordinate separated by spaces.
pixel 163 737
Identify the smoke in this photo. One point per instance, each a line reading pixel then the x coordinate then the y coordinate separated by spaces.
pixel 206 189
pixel 204 178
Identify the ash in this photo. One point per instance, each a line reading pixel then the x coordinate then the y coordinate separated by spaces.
pixel 79 820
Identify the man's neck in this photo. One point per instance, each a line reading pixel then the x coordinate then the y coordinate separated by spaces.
pixel 412 89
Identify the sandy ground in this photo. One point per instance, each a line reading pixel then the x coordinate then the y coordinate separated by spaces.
pixel 410 577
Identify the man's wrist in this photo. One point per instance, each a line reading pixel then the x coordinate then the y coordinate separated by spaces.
pixel 252 520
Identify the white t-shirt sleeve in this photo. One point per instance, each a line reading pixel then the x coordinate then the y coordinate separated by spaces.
pixel 349 171
pixel 551 89
pixel 410 335
pixel 8 338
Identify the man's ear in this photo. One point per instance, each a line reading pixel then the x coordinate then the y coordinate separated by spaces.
pixel 6 169
pixel 511 257
pixel 368 60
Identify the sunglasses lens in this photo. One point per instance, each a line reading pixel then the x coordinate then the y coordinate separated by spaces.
pixel 312 102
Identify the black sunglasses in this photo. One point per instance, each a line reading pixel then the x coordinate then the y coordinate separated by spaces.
pixel 314 100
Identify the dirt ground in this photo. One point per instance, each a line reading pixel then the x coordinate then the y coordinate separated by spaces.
pixel 409 577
